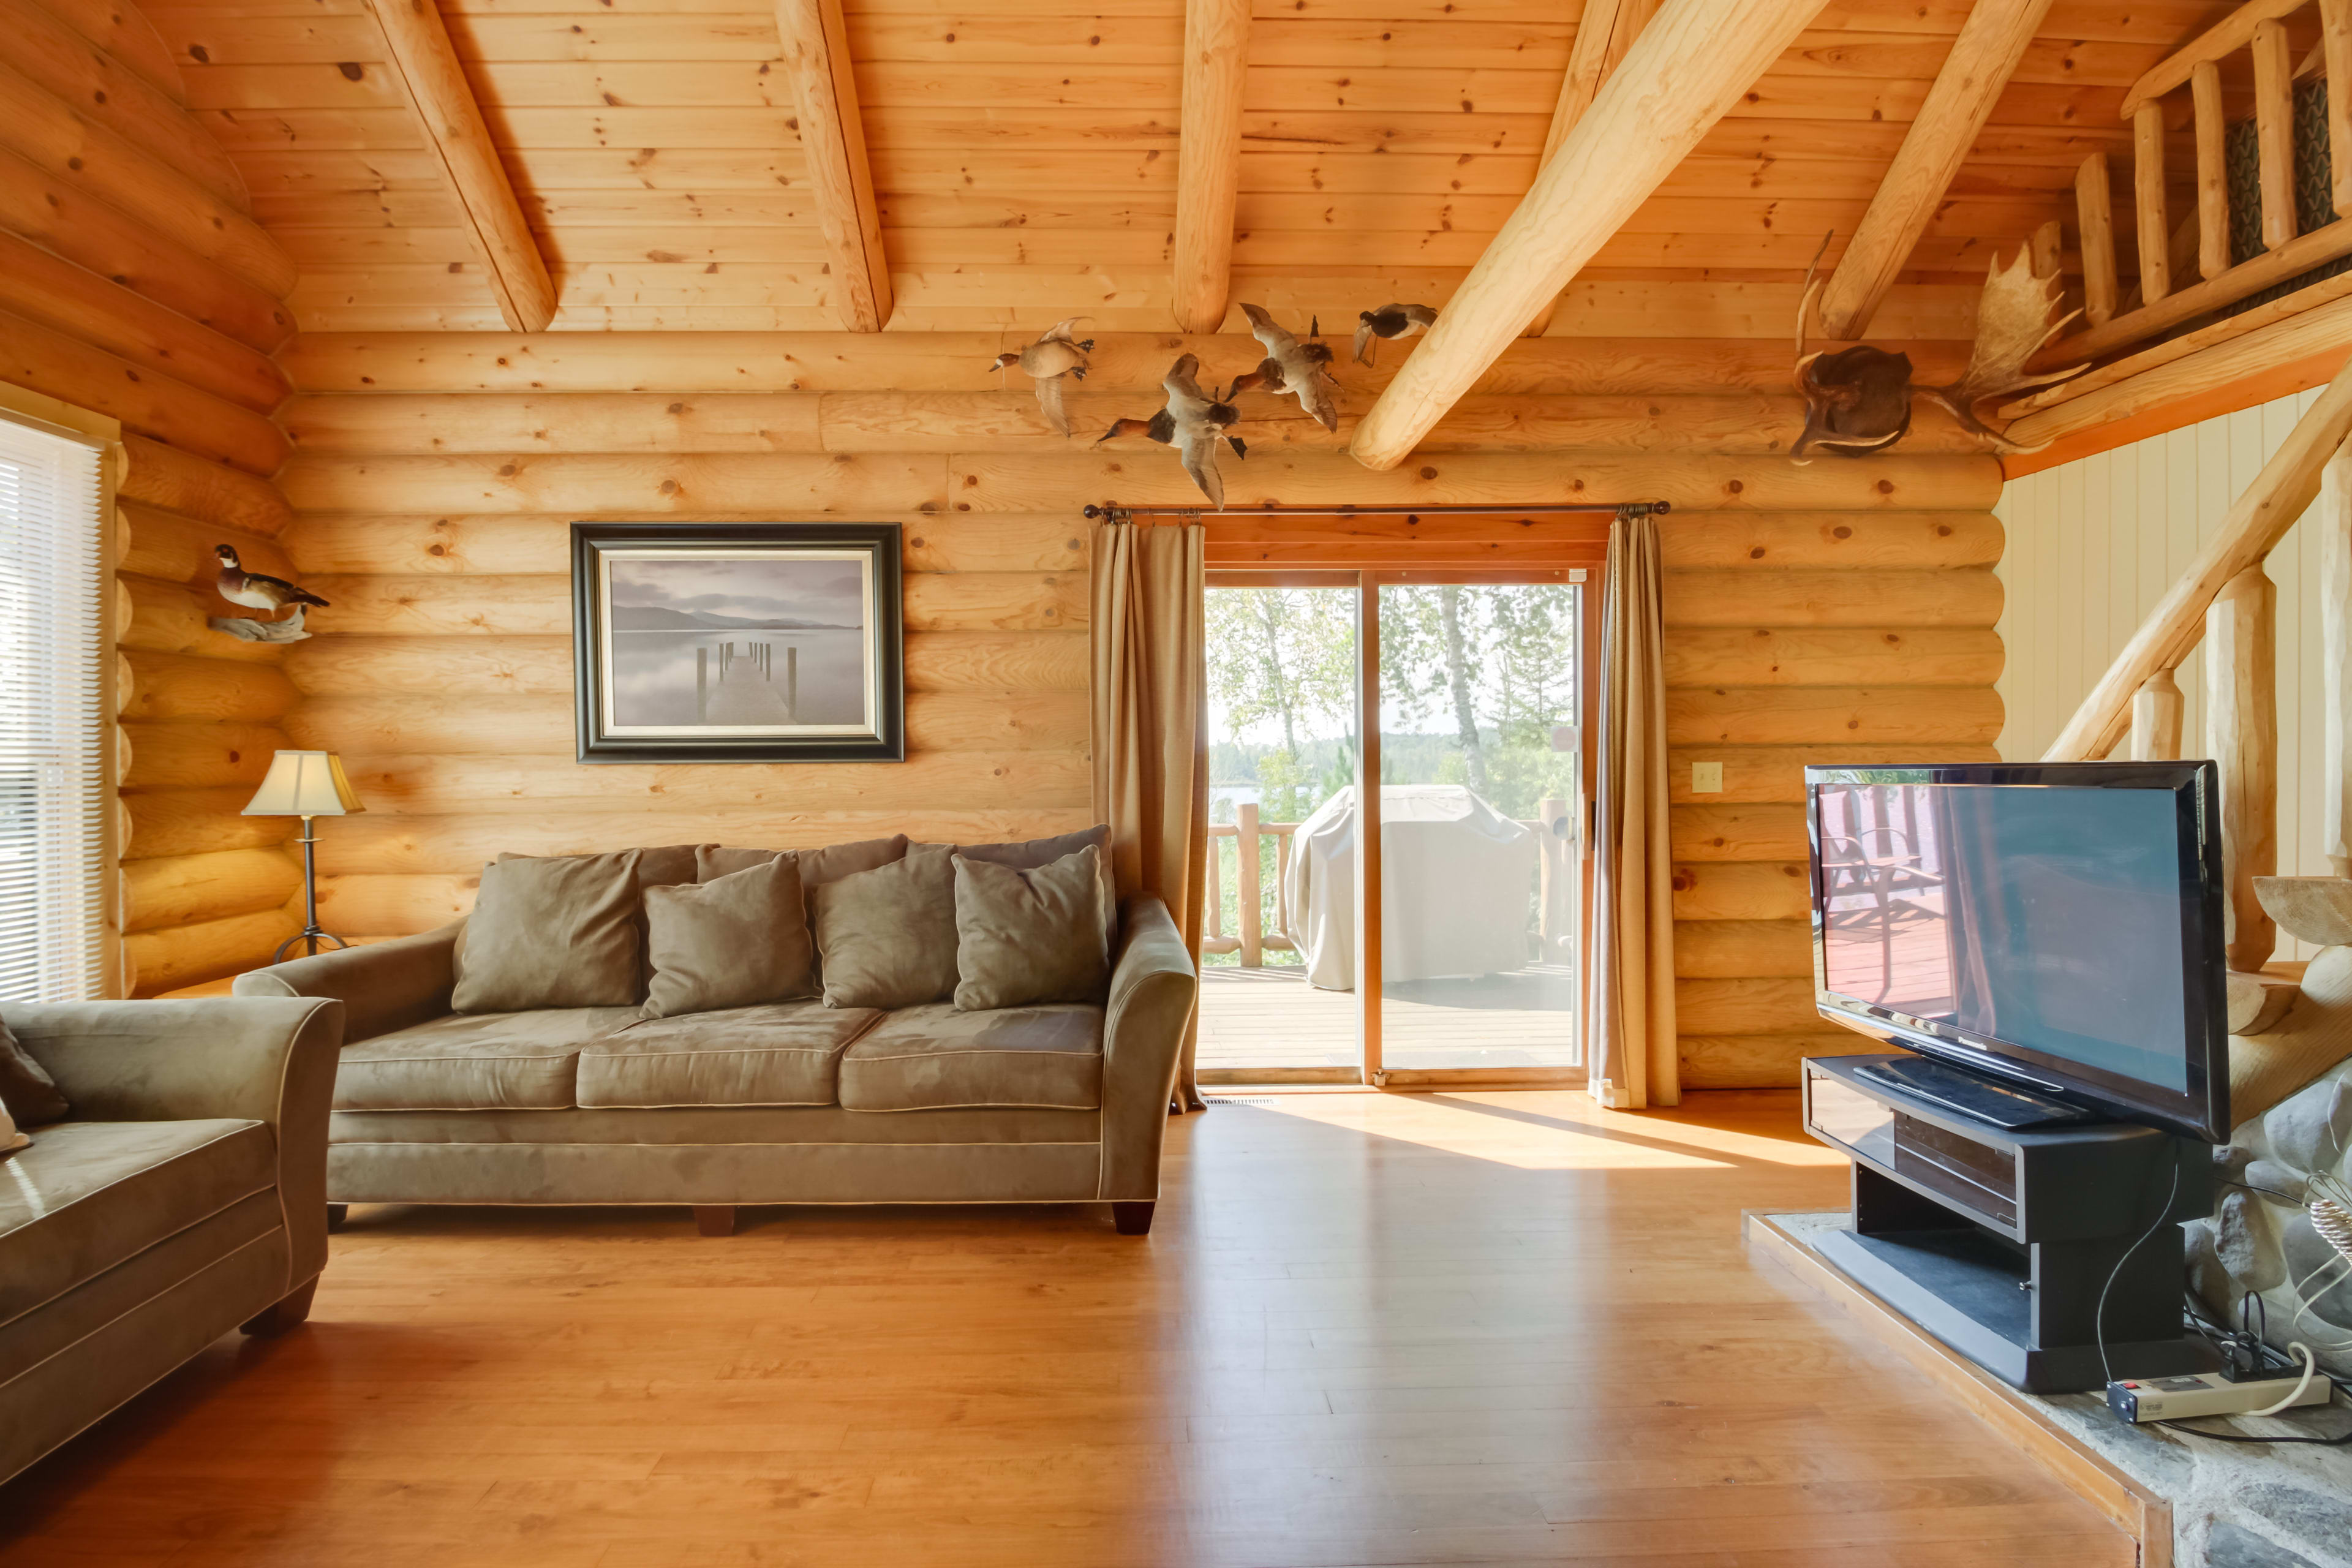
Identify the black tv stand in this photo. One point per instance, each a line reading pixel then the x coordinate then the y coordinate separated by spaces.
pixel 1999 1240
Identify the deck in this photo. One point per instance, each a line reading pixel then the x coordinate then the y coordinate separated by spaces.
pixel 1270 1017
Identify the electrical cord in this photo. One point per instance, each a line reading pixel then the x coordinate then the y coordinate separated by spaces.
pixel 2099 1313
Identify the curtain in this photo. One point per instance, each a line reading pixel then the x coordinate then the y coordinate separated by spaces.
pixel 1630 979
pixel 1152 726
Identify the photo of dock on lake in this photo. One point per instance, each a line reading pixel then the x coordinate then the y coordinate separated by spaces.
pixel 738 642
pixel 750 643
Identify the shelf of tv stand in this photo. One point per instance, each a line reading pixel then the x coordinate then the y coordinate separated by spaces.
pixel 1999 1241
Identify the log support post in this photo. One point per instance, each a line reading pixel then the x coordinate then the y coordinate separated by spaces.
pixel 2241 735
pixel 2095 215
pixel 2155 719
pixel 2331 515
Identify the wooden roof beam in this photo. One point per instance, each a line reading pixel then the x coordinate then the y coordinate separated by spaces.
pixel 1209 162
pixel 1991 42
pixel 833 137
pixel 1604 33
pixel 1690 64
pixel 456 135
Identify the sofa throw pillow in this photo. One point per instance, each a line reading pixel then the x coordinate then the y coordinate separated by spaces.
pixel 557 932
pixel 1031 854
pixel 1024 938
pixel 662 868
pixel 886 938
pixel 738 942
pixel 26 1090
pixel 818 867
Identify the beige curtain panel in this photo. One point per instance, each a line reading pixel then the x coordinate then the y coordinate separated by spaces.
pixel 1630 1000
pixel 1151 725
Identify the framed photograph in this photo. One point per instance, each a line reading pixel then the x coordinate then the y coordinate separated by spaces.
pixel 738 642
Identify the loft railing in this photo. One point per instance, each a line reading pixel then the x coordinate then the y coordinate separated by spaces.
pixel 1252 935
pixel 2165 254
pixel 2226 602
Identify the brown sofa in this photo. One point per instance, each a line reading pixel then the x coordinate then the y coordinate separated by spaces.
pixel 183 1196
pixel 794 1103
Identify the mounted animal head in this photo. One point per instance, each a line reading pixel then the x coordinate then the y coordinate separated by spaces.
pixel 225 555
pixel 1859 400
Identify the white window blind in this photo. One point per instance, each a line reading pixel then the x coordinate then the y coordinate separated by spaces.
pixel 52 719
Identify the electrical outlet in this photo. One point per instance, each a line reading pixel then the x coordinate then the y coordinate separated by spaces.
pixel 1706 778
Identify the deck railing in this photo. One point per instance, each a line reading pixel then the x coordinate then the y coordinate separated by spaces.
pixel 1252 935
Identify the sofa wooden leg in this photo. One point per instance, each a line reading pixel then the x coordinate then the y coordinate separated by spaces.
pixel 336 1215
pixel 281 1316
pixel 1132 1218
pixel 715 1219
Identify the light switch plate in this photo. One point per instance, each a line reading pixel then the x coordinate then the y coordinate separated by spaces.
pixel 1706 778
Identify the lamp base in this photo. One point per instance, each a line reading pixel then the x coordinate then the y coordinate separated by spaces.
pixel 311 935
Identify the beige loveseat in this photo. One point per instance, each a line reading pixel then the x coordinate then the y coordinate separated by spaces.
pixel 794 1103
pixel 184 1195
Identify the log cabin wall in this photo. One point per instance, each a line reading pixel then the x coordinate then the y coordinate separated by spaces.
pixel 133 282
pixel 1841 610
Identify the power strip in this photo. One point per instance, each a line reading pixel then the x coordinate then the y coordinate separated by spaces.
pixel 2209 1394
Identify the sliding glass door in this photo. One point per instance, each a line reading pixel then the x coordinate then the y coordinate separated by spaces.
pixel 1429 929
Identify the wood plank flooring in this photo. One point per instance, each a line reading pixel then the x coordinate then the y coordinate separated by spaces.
pixel 1367 1328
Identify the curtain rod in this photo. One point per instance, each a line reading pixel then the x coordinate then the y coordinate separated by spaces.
pixel 1111 512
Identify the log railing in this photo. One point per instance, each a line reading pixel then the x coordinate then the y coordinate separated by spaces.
pixel 2226 601
pixel 2163 298
pixel 1252 933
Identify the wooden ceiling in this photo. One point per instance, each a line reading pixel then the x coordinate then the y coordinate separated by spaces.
pixel 1024 155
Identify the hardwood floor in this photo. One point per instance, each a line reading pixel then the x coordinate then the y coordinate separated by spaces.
pixel 1492 1328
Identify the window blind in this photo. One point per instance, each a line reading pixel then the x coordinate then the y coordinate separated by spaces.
pixel 52 718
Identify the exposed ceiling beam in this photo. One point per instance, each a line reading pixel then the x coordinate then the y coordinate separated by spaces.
pixel 1691 64
pixel 1209 159
pixel 458 137
pixel 1991 42
pixel 833 137
pixel 1604 33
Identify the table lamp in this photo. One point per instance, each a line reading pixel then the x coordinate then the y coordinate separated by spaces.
pixel 306 785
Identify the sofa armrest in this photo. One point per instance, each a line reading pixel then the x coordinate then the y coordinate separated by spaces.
pixel 384 986
pixel 264 1058
pixel 1154 987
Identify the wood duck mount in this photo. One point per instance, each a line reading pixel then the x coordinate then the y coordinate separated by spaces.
pixel 2285 1033
pixel 1858 400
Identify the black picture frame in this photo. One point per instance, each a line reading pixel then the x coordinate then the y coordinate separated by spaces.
pixel 751 682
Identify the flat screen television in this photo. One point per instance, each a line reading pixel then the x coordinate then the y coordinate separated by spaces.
pixel 2056 924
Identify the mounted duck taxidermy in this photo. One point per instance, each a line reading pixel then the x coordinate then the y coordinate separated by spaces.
pixel 1192 423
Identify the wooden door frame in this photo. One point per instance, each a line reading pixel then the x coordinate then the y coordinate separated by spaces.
pixel 1352 561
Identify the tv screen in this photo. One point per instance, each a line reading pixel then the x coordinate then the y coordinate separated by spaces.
pixel 2059 924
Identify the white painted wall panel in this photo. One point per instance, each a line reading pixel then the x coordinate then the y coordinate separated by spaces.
pixel 2094 543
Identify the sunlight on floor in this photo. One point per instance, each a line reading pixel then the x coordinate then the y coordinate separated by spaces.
pixel 1536 1130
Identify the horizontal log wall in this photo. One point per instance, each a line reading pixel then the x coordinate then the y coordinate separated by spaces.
pixel 1834 611
pixel 134 282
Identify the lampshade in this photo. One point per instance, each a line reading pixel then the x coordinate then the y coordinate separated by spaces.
pixel 304 783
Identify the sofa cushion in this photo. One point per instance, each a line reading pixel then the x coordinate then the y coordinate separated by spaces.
pixel 1027 937
pixel 740 941
pixel 933 1056
pixel 475 1061
pixel 27 1089
pixel 554 932
pixel 817 867
pixel 88 1194
pixel 1029 854
pixel 785 1054
pixel 887 936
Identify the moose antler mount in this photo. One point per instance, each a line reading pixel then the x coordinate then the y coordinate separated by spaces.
pixel 1858 400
